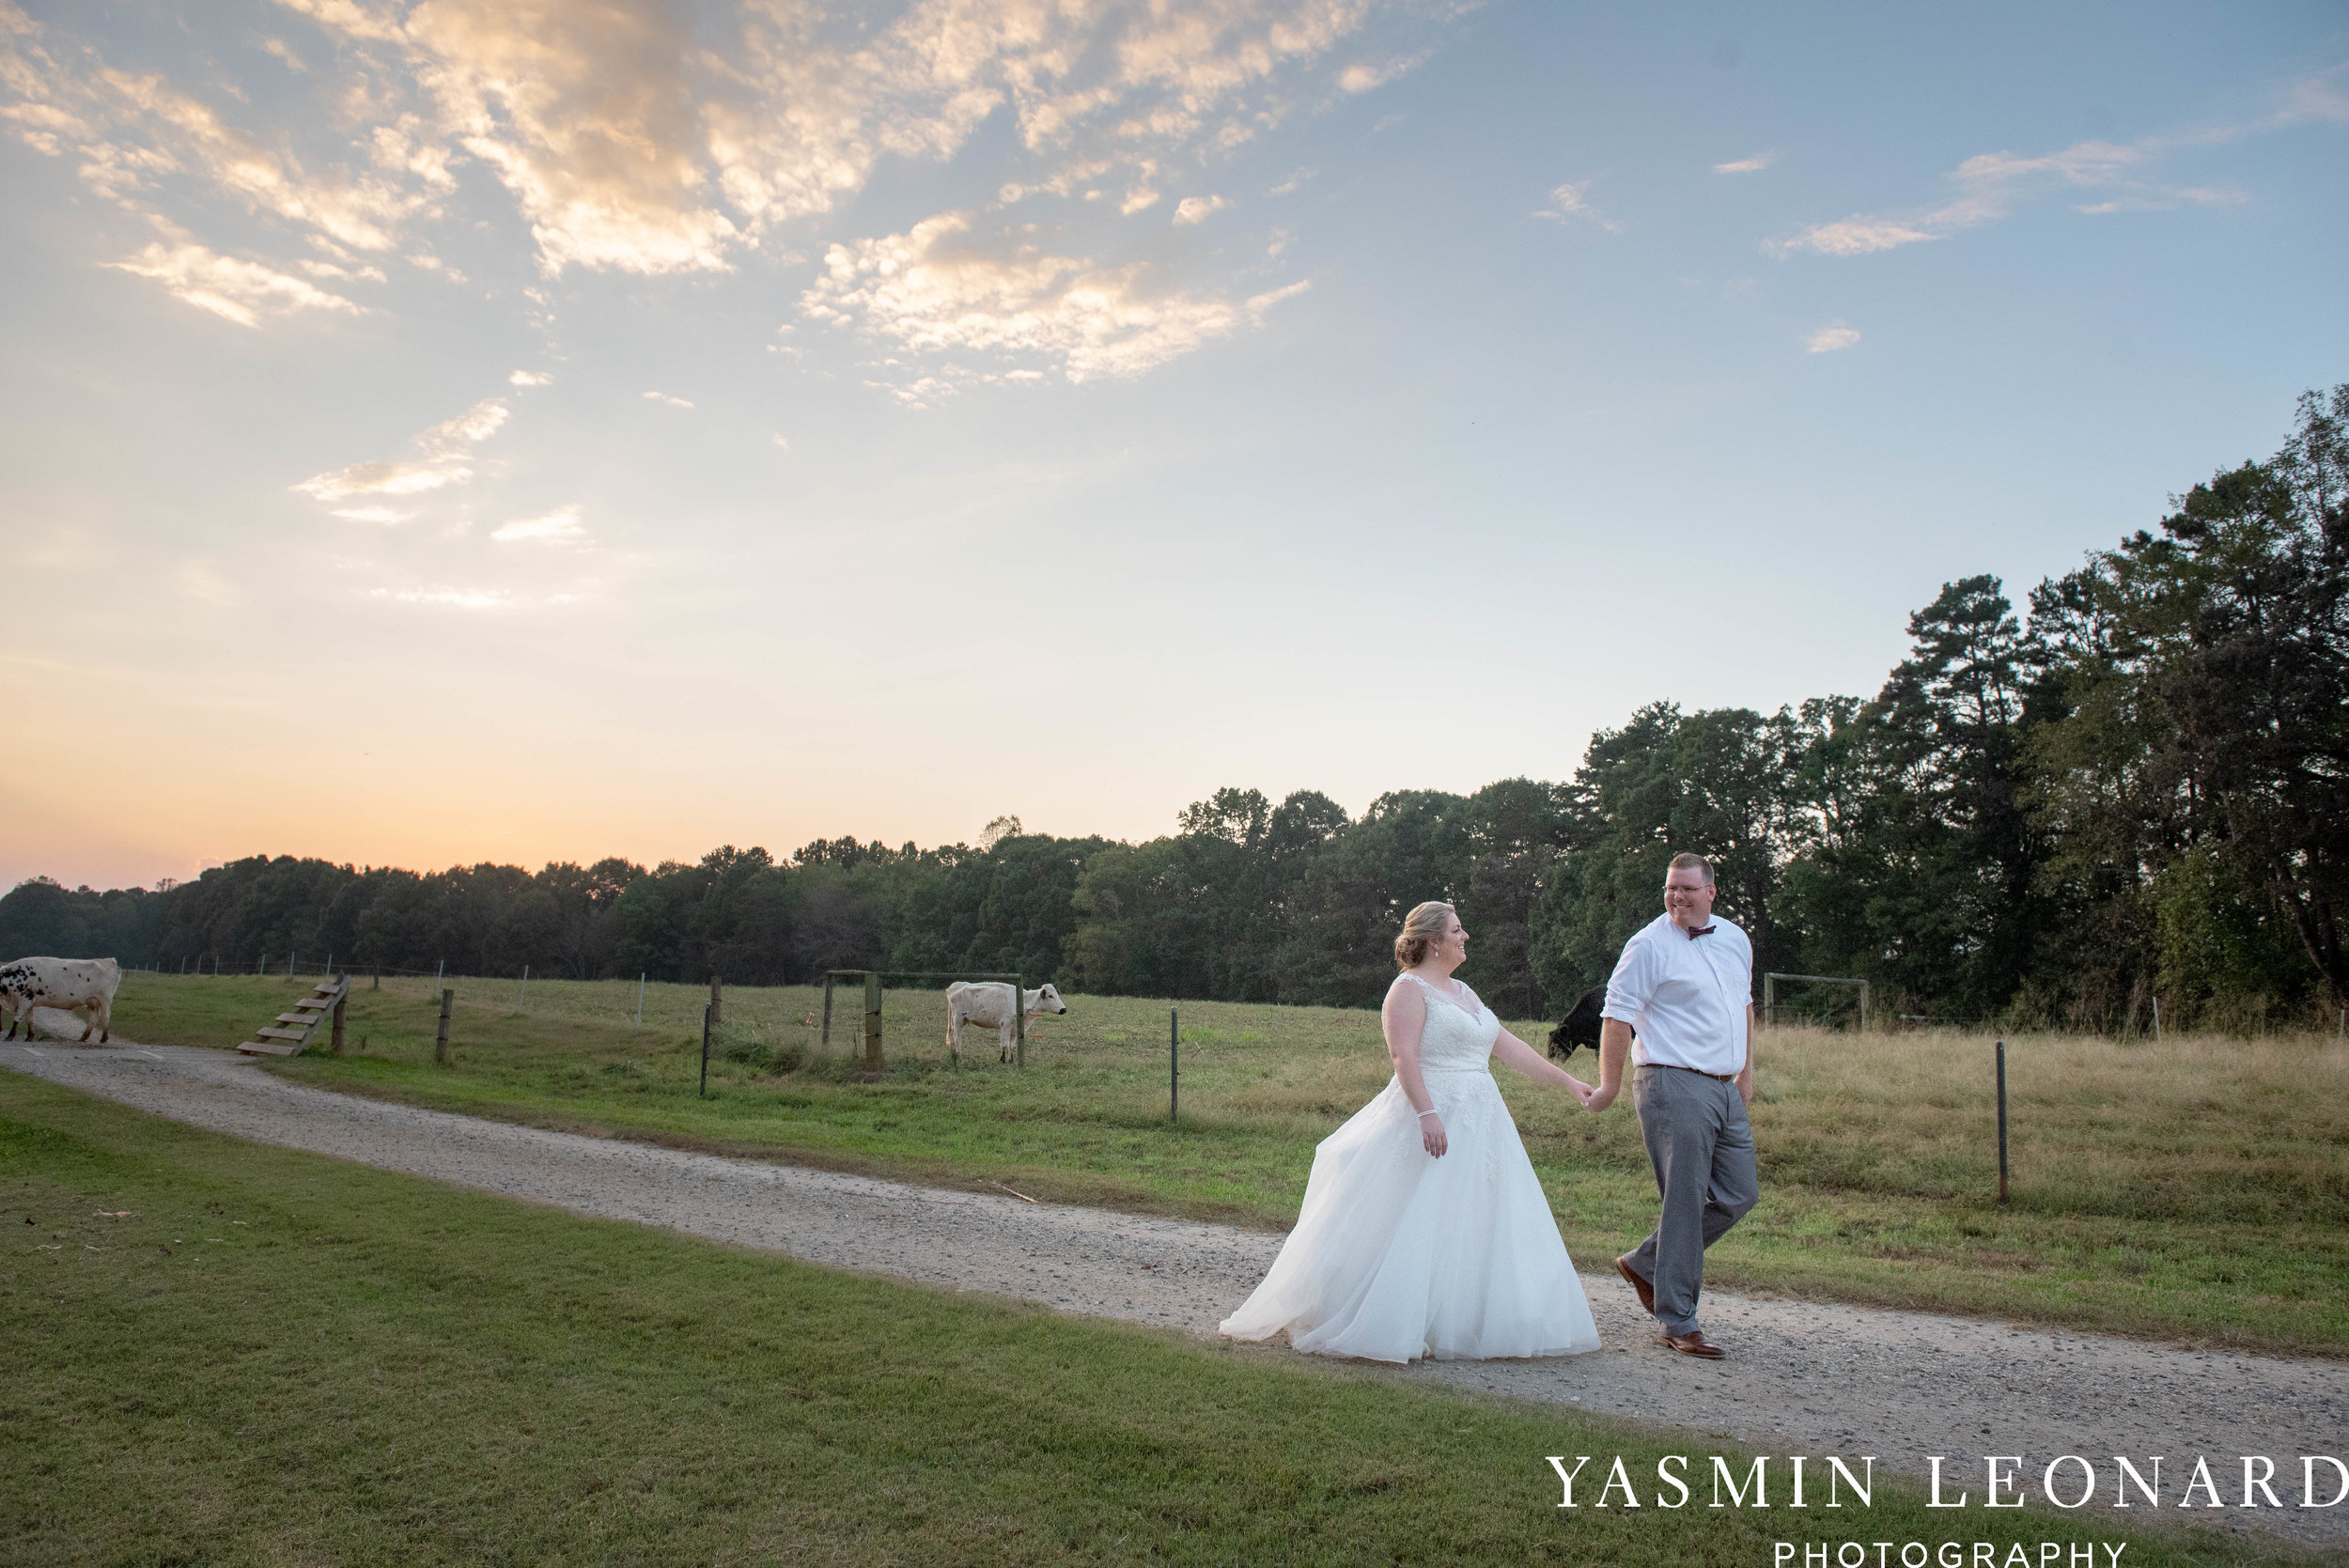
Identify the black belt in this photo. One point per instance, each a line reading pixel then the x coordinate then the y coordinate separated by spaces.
pixel 1718 1078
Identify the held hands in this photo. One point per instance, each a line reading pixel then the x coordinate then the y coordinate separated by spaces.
pixel 1431 1136
pixel 1600 1099
pixel 1581 1091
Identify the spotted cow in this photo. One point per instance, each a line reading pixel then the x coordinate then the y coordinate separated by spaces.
pixel 68 984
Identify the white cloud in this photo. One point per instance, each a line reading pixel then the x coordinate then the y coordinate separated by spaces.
pixel 530 378
pixel 374 513
pixel 935 290
pixel 664 397
pixel 199 581
pixel 1362 77
pixel 1292 182
pixel 560 526
pixel 782 442
pixel 448 598
pixel 2323 97
pixel 1754 165
pixel 442 457
pixel 634 140
pixel 239 291
pixel 1197 209
pixel 638 136
pixel 1571 201
pixel 1990 185
pixel 1827 339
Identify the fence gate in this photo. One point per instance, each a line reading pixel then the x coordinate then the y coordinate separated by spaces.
pixel 1769 993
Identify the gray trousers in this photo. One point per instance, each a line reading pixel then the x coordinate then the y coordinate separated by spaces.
pixel 1701 1148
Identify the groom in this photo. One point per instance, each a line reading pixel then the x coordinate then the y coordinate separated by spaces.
pixel 1685 983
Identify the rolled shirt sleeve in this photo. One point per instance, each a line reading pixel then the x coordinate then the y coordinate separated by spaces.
pixel 1632 987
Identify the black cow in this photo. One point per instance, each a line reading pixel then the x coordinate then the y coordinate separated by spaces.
pixel 1580 1024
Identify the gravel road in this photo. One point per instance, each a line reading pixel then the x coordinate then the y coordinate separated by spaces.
pixel 1802 1378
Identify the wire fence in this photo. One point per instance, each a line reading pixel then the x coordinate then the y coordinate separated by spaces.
pixel 1823 1007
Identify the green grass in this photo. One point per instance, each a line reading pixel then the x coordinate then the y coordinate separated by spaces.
pixel 2197 1191
pixel 226 1352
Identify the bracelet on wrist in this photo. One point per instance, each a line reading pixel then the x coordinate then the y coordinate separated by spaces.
pixel 1429 1111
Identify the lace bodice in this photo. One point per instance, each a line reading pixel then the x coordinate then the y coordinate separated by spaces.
pixel 1456 1040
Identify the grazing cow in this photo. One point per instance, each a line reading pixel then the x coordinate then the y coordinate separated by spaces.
pixel 64 984
pixel 988 1004
pixel 1580 1024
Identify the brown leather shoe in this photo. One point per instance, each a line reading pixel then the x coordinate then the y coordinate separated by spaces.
pixel 1643 1289
pixel 1693 1342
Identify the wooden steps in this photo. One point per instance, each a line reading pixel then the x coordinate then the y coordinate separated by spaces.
pixel 320 1007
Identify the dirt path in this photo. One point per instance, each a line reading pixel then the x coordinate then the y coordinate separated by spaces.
pixel 1802 1378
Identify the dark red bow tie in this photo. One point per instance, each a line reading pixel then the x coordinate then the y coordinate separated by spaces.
pixel 1701 931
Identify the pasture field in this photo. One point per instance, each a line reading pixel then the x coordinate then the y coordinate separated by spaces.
pixel 223 1352
pixel 2197 1190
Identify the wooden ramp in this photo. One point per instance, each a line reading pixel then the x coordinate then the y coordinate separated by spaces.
pixel 292 1031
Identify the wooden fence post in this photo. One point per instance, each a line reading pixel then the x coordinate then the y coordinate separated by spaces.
pixel 707 1014
pixel 826 1042
pixel 1020 1020
pixel 340 1003
pixel 1174 1065
pixel 872 1021
pixel 717 1001
pixel 439 1041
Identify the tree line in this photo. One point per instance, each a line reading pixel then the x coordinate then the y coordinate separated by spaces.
pixel 2136 786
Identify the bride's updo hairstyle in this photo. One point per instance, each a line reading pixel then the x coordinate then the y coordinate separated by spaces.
pixel 1423 928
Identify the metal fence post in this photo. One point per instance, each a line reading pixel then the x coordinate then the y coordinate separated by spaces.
pixel 439 1041
pixel 2002 1121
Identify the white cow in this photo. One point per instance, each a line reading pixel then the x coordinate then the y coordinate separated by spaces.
pixel 988 1004
pixel 67 985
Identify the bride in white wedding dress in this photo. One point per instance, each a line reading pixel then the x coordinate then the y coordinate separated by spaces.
pixel 1425 1231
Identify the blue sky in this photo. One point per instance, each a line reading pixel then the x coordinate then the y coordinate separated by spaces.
pixel 450 431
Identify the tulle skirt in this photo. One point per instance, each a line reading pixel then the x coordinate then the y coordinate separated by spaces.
pixel 1398 1255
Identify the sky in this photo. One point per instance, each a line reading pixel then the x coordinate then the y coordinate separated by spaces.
pixel 478 429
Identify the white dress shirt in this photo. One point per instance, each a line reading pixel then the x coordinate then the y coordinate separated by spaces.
pixel 1684 997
